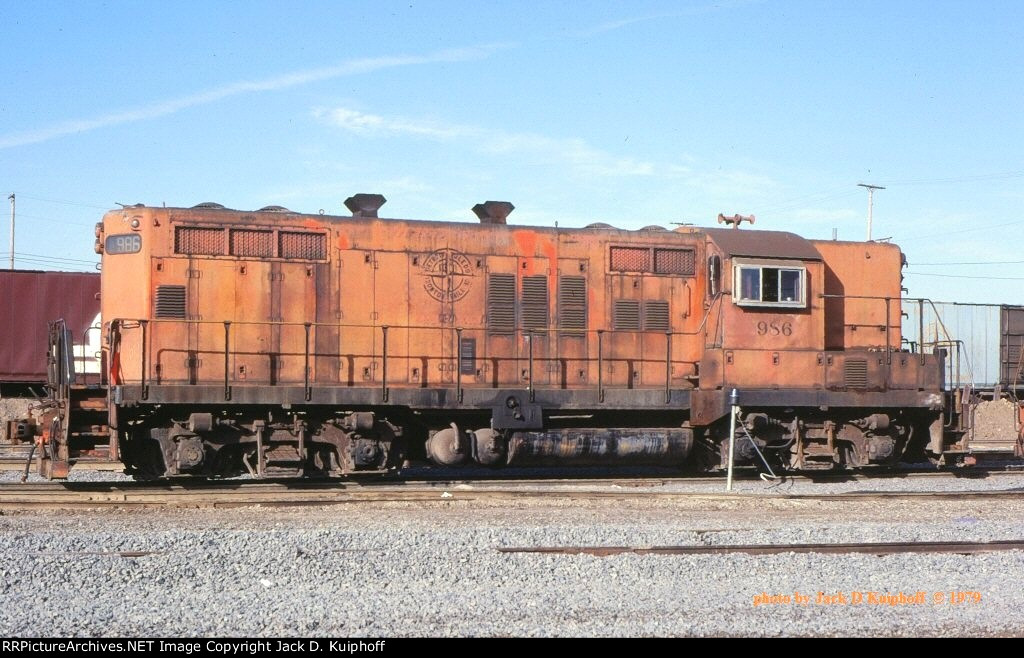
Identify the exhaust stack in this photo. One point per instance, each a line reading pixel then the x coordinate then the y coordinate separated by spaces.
pixel 365 205
pixel 493 212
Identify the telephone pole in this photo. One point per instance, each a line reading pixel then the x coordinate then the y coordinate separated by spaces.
pixel 871 198
pixel 12 229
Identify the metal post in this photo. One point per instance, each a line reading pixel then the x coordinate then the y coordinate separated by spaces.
pixel 458 365
pixel 871 196
pixel 920 328
pixel 384 365
pixel 733 409
pixel 668 367
pixel 888 343
pixel 309 390
pixel 600 365
pixel 12 229
pixel 227 360
pixel 529 342
pixel 145 391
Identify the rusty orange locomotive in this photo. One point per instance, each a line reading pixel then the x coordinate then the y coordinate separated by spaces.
pixel 277 342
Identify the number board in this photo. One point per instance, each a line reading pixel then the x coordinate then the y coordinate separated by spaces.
pixel 774 327
pixel 124 243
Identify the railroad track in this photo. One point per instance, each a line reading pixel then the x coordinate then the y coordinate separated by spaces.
pixel 249 493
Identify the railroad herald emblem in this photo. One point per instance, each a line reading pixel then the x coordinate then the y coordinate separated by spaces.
pixel 447 275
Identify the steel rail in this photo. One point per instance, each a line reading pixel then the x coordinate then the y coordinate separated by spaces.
pixel 880 548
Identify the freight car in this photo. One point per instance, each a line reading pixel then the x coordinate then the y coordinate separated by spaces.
pixel 282 343
pixel 29 299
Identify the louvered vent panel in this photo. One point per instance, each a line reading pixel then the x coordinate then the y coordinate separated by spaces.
pixel 674 261
pixel 656 315
pixel 855 373
pixel 535 302
pixel 303 246
pixel 199 241
pixel 626 315
pixel 255 244
pixel 467 356
pixel 501 303
pixel 572 304
pixel 630 259
pixel 169 302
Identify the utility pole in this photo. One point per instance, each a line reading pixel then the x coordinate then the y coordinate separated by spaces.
pixel 871 198
pixel 12 229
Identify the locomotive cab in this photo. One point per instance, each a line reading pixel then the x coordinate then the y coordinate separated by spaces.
pixel 809 336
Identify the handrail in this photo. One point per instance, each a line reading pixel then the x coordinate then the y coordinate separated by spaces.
pixel 530 335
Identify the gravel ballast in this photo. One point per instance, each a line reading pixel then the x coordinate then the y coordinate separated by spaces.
pixel 393 569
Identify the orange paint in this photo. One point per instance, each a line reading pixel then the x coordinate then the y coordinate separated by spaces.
pixel 526 240
pixel 414 276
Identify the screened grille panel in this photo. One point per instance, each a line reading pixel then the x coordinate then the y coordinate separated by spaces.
pixel 303 246
pixel 501 303
pixel 248 242
pixel 199 241
pixel 626 315
pixel 630 259
pixel 674 261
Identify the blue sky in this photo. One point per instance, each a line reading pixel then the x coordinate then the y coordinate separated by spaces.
pixel 631 113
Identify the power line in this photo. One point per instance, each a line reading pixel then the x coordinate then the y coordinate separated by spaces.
pixel 51 219
pixel 78 267
pixel 21 254
pixel 966 276
pixel 959 179
pixel 63 202
pixel 942 234
pixel 815 198
pixel 978 262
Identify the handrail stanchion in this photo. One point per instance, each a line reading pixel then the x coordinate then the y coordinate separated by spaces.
pixel 458 364
pixel 227 360
pixel 529 342
pixel 600 365
pixel 384 364
pixel 145 365
pixel 309 389
pixel 668 367
pixel 888 342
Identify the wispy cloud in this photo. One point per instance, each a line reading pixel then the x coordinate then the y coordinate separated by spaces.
pixel 574 152
pixel 685 11
pixel 819 215
pixel 365 124
pixel 294 79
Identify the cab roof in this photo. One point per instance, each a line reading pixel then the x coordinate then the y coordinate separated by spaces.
pixel 762 244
